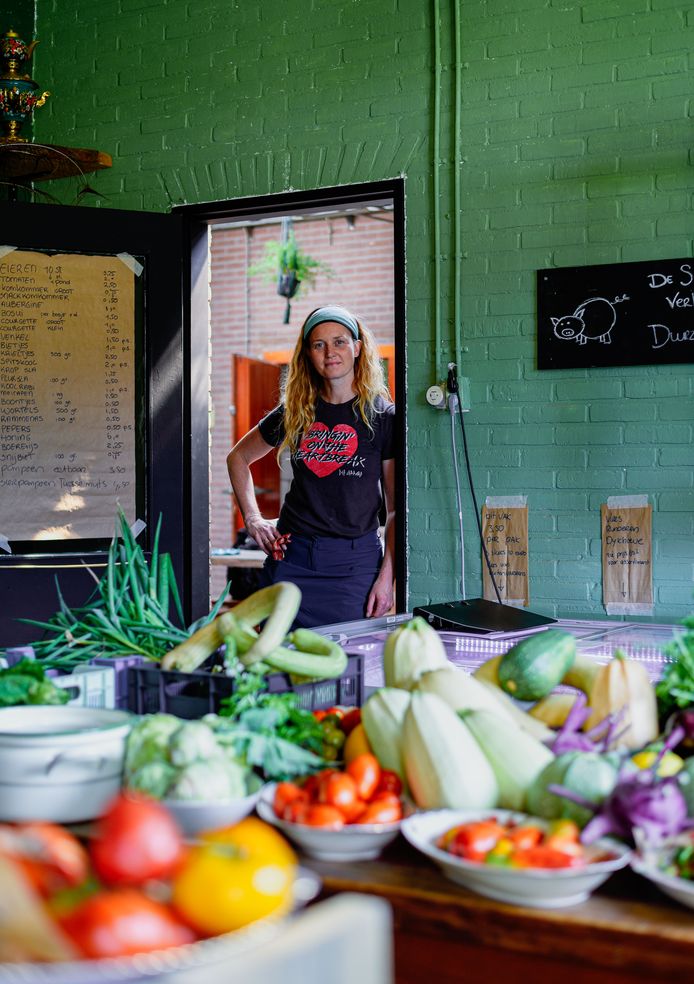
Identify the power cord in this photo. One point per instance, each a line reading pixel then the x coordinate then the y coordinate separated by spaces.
pixel 452 386
pixel 452 401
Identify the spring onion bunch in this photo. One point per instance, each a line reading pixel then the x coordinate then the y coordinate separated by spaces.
pixel 128 612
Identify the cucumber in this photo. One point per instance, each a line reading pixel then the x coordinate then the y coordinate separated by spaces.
pixel 534 666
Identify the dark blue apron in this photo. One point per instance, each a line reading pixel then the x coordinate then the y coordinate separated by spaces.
pixel 335 576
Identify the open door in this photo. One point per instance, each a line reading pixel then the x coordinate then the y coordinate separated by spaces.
pixel 163 470
pixel 256 389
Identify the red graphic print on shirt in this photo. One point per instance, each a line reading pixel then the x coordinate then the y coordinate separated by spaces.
pixel 324 450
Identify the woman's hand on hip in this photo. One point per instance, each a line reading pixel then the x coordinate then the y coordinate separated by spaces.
pixel 263 532
pixel 380 598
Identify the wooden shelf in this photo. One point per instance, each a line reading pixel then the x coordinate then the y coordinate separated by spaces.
pixel 46 162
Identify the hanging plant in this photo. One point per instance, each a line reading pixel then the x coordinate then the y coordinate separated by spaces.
pixel 285 263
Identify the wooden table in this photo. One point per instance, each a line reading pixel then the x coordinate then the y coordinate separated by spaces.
pixel 626 933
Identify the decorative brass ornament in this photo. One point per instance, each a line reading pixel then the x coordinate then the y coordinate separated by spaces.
pixel 18 97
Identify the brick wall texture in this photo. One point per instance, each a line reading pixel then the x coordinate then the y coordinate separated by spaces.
pixel 572 147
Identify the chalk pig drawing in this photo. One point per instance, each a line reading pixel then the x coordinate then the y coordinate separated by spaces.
pixel 593 319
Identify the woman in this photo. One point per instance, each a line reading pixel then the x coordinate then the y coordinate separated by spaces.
pixel 336 420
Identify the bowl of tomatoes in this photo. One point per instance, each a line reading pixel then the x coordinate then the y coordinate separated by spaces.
pixel 348 814
pixel 513 857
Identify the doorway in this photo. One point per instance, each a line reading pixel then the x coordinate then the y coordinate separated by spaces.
pixel 246 329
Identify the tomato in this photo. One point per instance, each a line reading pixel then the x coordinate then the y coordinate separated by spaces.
pixel 51 857
pixel 546 857
pixel 235 876
pixel 350 720
pixel 286 793
pixel 381 811
pixel 366 772
pixel 295 812
pixel 324 815
pixel 473 841
pixel 524 836
pixel 121 922
pixel 339 790
pixel 390 782
pixel 353 813
pixel 564 831
pixel 313 784
pixel 136 840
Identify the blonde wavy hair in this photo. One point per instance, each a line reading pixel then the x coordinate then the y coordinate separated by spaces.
pixel 302 387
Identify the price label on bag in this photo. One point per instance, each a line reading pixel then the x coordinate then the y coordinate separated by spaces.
pixel 505 532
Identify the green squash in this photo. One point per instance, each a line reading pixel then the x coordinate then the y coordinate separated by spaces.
pixel 534 666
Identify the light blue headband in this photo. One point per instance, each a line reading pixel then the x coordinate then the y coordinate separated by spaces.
pixel 330 313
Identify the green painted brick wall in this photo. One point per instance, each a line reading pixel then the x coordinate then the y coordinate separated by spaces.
pixel 576 140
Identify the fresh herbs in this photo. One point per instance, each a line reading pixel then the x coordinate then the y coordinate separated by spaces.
pixel 675 690
pixel 270 731
pixel 26 683
pixel 128 612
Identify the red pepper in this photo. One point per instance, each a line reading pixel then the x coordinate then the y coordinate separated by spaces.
pixel 279 546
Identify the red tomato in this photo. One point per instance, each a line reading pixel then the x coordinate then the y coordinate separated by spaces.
pixel 122 922
pixel 50 856
pixel 324 815
pixel 295 812
pixel 390 782
pixel 338 790
pixel 312 785
pixel 319 715
pixel 286 793
pixel 524 837
pixel 366 772
pixel 473 840
pixel 135 840
pixel 352 814
pixel 546 857
pixel 350 720
pixel 381 811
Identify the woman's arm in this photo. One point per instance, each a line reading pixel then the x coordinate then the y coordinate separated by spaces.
pixel 250 448
pixel 380 598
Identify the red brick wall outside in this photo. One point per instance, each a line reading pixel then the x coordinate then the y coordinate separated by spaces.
pixel 247 318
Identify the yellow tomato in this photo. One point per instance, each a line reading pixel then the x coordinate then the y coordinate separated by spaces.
pixel 357 744
pixel 235 876
pixel 669 765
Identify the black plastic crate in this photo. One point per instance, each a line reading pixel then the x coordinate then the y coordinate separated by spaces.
pixel 191 695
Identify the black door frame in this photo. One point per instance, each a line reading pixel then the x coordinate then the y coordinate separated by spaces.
pixel 196 220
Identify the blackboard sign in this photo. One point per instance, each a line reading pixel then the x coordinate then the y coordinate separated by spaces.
pixel 617 314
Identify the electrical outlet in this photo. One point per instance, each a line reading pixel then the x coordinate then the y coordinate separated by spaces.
pixel 436 396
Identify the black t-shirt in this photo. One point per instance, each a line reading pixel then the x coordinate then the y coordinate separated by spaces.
pixel 336 488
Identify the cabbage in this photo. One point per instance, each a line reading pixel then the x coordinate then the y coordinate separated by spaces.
pixel 148 741
pixel 588 774
pixel 192 741
pixel 215 779
pixel 153 778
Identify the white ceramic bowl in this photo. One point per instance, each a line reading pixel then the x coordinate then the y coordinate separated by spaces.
pixel 679 889
pixel 194 816
pixel 535 887
pixel 354 842
pixel 60 763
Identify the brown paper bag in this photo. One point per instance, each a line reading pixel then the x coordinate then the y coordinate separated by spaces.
pixel 505 532
pixel 627 555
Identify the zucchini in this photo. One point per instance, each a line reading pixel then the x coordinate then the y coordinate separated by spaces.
pixel 277 603
pixel 534 666
pixel 315 657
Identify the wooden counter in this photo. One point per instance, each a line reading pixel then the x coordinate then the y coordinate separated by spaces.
pixel 626 932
